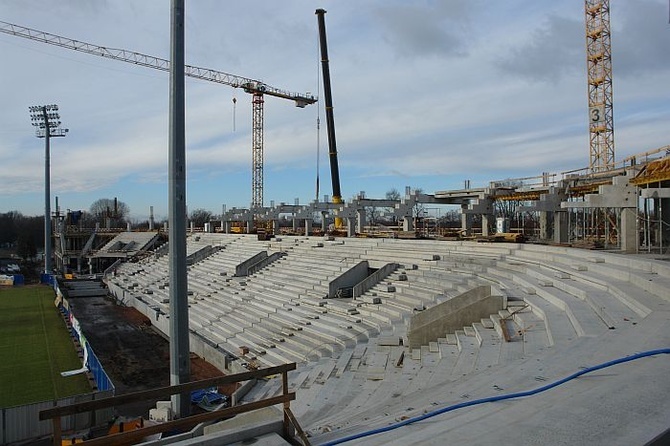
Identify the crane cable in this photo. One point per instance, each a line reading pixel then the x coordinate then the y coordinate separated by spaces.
pixel 234 108
pixel 491 399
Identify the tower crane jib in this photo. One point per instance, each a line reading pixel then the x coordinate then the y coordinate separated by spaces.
pixel 252 86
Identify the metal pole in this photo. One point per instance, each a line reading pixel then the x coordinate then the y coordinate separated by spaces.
pixel 660 223
pixel 47 194
pixel 179 342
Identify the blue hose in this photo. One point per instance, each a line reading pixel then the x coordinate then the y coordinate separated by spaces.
pixel 498 397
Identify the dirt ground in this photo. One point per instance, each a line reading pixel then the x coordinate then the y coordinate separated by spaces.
pixel 132 352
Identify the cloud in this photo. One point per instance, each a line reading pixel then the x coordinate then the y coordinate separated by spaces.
pixel 424 29
pixel 551 51
pixel 641 38
pixel 640 44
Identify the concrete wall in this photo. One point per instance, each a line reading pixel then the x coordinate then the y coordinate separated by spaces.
pixel 209 352
pixel 452 315
pixel 242 269
pixel 373 279
pixel 349 278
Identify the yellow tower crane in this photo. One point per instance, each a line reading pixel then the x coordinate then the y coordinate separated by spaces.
pixel 599 69
pixel 254 87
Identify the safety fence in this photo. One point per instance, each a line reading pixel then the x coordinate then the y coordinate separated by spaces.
pixel 22 423
pixel 12 279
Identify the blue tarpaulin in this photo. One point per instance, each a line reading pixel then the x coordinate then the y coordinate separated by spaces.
pixel 209 399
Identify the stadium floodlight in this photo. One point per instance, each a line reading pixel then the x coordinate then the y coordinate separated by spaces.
pixel 46 120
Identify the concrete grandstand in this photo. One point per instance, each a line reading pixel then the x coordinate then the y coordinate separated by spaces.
pixel 255 303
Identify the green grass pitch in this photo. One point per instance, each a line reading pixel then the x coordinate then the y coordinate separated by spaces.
pixel 35 346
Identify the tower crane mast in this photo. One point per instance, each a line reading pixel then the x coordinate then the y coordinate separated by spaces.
pixel 599 72
pixel 254 87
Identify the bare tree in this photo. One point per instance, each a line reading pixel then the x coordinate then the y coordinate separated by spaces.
pixel 107 208
pixel 392 194
pixel 200 216
pixel 419 208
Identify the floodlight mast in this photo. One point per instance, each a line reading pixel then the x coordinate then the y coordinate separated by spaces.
pixel 46 120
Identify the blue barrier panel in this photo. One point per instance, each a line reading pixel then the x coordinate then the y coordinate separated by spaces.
pixel 47 279
pixel 102 380
pixel 19 279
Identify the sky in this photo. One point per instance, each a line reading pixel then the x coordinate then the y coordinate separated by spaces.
pixel 426 94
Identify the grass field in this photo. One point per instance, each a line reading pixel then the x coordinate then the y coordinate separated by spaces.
pixel 35 346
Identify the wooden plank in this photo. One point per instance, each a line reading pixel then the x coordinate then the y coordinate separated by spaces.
pixel 132 437
pixel 296 425
pixel 161 392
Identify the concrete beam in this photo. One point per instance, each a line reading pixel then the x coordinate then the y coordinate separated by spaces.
pixel 482 206
pixel 655 192
pixel 549 202
pixel 619 194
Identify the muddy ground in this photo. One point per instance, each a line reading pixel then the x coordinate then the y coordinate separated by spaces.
pixel 134 355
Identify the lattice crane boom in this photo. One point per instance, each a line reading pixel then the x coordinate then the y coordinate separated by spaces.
pixel 252 86
pixel 599 72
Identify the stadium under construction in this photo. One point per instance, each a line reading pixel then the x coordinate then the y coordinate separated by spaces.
pixel 414 334
pixel 541 317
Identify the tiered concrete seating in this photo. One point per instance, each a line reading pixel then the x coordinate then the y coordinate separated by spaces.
pixel 566 308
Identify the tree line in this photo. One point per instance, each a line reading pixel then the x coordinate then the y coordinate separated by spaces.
pixel 24 234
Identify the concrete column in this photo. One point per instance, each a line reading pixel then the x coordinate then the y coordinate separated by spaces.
pixel 544 225
pixel 308 226
pixel 408 223
pixel 324 221
pixel 664 209
pixel 351 226
pixel 561 227
pixel 275 226
pixel 294 222
pixel 486 223
pixel 226 226
pixel 628 230
pixel 466 222
pixel 250 226
pixel 361 220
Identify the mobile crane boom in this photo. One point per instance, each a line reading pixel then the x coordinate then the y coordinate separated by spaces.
pixel 254 87
pixel 330 120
